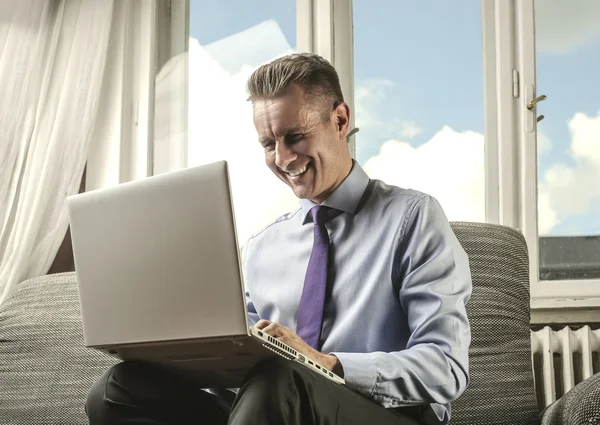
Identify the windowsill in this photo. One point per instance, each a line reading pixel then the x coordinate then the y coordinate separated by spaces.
pixel 565 310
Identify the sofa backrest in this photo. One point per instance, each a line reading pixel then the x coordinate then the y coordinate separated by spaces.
pixel 501 390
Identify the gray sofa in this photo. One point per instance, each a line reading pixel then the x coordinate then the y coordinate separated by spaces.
pixel 45 373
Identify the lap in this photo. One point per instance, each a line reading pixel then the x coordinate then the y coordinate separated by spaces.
pixel 135 389
pixel 275 391
pixel 277 378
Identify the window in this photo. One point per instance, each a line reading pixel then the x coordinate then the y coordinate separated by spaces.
pixel 419 99
pixel 558 165
pixel 426 81
pixel 228 41
pixel 567 36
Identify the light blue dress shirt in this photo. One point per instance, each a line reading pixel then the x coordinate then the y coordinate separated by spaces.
pixel 398 284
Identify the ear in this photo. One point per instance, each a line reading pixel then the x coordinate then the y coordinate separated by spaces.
pixel 341 115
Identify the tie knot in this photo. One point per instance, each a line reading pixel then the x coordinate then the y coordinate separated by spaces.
pixel 321 214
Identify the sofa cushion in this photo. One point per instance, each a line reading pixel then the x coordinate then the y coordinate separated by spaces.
pixel 45 371
pixel 501 391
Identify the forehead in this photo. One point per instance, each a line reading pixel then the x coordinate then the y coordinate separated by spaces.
pixel 273 117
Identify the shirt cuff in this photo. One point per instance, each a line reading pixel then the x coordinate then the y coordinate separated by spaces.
pixel 360 372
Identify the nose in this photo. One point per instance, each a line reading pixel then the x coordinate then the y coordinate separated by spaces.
pixel 284 156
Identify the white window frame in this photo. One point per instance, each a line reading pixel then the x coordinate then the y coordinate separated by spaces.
pixel 511 159
pixel 546 294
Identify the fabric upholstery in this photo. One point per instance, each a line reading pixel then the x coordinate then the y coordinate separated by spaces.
pixel 580 406
pixel 45 372
pixel 501 390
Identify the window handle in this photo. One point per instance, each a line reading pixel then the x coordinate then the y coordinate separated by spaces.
pixel 538 99
pixel 351 133
pixel 530 116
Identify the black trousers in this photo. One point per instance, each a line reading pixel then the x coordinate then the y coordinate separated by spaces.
pixel 275 392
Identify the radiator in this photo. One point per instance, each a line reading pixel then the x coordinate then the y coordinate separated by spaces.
pixel 561 359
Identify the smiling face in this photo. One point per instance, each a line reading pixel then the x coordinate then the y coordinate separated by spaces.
pixel 305 151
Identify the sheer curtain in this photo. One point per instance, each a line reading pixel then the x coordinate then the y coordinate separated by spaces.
pixel 52 60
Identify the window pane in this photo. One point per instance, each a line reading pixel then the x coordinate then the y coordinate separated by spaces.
pixel 419 99
pixel 228 40
pixel 568 140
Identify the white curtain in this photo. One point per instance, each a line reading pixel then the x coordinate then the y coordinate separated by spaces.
pixel 52 60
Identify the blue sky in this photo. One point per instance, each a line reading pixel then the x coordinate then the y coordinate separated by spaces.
pixel 433 59
pixel 569 80
pixel 211 20
pixel 426 59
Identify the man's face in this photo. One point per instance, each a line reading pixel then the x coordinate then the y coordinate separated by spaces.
pixel 309 155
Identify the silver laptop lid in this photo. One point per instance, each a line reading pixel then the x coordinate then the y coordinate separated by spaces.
pixel 157 259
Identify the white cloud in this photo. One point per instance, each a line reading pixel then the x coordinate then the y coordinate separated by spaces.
pixel 573 189
pixel 585 132
pixel 543 142
pixel 368 99
pixel 450 166
pixel 562 25
pixel 408 129
pixel 547 216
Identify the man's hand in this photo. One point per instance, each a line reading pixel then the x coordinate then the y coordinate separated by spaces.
pixel 287 336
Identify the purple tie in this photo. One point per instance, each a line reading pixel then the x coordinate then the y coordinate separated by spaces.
pixel 312 303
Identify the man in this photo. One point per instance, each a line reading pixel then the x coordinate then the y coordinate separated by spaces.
pixel 365 278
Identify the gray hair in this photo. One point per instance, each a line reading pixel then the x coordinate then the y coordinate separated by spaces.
pixel 315 75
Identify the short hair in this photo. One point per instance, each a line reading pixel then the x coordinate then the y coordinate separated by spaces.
pixel 314 74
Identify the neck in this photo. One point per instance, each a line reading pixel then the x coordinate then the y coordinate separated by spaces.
pixel 346 168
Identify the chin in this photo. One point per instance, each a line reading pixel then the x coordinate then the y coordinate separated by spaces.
pixel 301 193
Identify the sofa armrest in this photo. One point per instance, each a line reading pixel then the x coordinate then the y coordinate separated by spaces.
pixel 580 406
pixel 45 369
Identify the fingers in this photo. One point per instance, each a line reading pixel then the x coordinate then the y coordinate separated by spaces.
pixel 272 328
pixel 261 324
pixel 287 336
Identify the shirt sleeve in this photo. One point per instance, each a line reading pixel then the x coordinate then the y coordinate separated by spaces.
pixel 253 317
pixel 432 272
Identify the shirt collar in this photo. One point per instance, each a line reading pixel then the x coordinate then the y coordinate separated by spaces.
pixel 346 196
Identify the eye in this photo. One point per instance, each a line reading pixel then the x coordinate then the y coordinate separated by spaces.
pixel 294 138
pixel 269 146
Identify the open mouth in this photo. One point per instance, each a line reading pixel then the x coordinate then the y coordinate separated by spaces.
pixel 300 171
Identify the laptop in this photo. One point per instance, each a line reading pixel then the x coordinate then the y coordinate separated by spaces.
pixel 160 279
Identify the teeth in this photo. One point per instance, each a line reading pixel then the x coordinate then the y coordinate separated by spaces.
pixel 300 171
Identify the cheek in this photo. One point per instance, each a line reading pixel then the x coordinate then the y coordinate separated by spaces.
pixel 311 149
pixel 322 155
